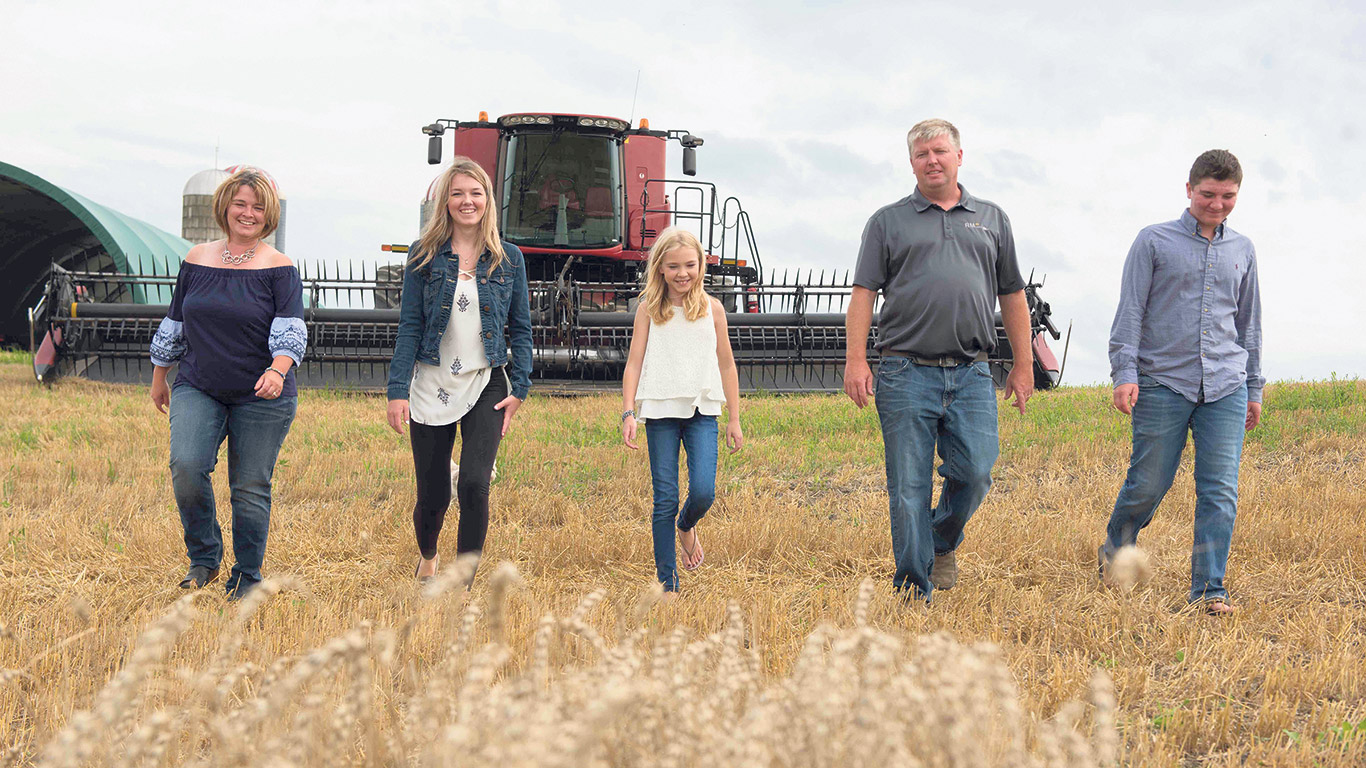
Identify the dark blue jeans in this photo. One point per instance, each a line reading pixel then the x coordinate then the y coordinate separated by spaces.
pixel 922 407
pixel 697 436
pixel 254 431
pixel 1161 419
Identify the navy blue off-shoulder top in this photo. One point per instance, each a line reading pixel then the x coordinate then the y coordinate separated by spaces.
pixel 226 326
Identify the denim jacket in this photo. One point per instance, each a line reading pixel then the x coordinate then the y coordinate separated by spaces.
pixel 504 317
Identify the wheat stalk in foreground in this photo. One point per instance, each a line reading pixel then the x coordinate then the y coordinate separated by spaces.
pixel 856 696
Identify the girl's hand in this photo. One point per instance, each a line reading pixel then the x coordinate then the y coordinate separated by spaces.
pixel 735 438
pixel 161 393
pixel 398 414
pixel 508 406
pixel 628 432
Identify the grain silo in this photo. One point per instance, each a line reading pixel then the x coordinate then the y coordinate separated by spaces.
pixel 196 220
pixel 197 224
pixel 429 204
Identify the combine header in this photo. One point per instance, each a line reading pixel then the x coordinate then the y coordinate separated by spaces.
pixel 584 197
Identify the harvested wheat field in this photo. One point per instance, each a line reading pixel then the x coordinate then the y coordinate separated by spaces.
pixel 786 649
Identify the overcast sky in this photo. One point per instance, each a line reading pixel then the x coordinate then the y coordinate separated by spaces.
pixel 1080 119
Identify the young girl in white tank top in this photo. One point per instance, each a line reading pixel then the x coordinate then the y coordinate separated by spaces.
pixel 679 372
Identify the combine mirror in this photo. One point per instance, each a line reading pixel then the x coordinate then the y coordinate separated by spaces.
pixel 433 149
pixel 689 161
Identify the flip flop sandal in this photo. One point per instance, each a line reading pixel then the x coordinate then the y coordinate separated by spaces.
pixel 697 547
pixel 418 569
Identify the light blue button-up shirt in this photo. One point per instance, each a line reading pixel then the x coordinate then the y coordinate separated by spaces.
pixel 1189 314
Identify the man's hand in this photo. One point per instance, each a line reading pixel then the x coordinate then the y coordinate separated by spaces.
pixel 858 320
pixel 1015 317
pixel 1020 383
pixel 1254 416
pixel 858 382
pixel 1126 395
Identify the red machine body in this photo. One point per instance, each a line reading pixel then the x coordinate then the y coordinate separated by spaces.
pixel 589 187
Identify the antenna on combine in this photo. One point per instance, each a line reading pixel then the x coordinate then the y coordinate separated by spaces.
pixel 634 93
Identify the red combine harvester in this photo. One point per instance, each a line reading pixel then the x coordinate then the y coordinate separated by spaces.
pixel 584 197
pixel 588 193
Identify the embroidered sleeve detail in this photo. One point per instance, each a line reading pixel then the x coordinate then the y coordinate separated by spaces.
pixel 288 336
pixel 168 345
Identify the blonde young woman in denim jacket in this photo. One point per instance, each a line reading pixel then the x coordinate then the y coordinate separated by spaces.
pixel 464 303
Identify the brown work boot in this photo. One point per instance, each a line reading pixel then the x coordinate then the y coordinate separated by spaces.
pixel 200 576
pixel 944 572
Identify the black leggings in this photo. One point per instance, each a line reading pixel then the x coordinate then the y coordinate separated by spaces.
pixel 481 430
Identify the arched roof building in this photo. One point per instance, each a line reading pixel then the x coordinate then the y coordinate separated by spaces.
pixel 42 224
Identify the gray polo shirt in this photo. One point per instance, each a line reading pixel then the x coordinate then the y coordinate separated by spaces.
pixel 940 273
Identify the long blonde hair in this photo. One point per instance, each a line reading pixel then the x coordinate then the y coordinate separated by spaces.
pixel 656 293
pixel 440 228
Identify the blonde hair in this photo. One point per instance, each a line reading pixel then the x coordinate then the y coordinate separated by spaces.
pixel 440 228
pixel 929 129
pixel 262 184
pixel 656 294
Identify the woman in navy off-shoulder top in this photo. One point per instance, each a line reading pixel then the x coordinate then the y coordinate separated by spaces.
pixel 235 327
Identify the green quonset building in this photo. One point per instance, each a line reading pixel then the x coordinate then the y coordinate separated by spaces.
pixel 42 224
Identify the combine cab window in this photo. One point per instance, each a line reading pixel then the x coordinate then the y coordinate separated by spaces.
pixel 562 189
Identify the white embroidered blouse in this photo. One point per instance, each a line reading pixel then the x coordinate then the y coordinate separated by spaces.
pixel 443 394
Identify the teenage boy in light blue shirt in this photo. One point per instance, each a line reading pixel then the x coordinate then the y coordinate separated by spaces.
pixel 1185 355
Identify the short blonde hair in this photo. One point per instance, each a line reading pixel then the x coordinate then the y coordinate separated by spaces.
pixel 929 129
pixel 261 183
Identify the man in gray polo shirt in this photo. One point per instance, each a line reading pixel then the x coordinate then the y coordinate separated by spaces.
pixel 940 257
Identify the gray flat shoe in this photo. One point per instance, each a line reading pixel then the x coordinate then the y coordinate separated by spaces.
pixel 199 577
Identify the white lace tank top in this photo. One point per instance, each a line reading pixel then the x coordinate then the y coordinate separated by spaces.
pixel 681 372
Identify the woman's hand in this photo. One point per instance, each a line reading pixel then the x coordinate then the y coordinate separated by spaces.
pixel 628 432
pixel 398 414
pixel 508 406
pixel 161 393
pixel 270 385
pixel 735 438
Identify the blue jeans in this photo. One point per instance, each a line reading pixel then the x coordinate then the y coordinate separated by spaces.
pixel 255 431
pixel 698 437
pixel 1161 418
pixel 922 407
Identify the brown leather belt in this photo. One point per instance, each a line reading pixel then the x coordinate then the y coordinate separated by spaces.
pixel 947 361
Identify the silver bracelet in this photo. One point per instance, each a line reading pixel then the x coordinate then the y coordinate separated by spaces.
pixel 631 412
pixel 277 372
